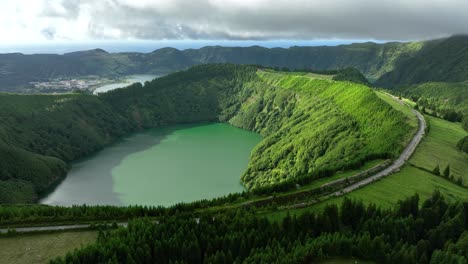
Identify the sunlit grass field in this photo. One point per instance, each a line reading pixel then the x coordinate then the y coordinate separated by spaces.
pixel 40 248
pixel 386 192
pixel 439 148
pixel 411 118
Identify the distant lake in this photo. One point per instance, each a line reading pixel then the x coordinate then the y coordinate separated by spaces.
pixel 161 166
pixel 141 78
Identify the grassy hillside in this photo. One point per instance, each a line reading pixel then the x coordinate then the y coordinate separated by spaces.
pixel 447 100
pixel 411 119
pixel 41 248
pixel 312 127
pixel 315 127
pixel 386 192
pixel 439 148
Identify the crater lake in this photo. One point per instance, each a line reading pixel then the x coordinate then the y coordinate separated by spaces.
pixel 160 166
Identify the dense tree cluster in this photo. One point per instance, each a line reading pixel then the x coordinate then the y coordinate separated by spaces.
pixel 33 214
pixel 436 232
pixel 447 175
pixel 447 114
pixel 351 75
pixel 40 133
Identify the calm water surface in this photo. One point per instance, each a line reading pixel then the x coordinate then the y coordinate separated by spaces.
pixel 161 166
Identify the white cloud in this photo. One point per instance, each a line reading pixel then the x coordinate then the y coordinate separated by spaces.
pixel 25 20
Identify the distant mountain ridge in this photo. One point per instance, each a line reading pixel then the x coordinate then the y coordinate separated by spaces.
pixel 442 60
pixel 387 65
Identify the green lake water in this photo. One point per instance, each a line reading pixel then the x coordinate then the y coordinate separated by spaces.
pixel 161 166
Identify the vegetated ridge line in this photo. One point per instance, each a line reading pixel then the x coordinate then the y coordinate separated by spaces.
pixel 399 162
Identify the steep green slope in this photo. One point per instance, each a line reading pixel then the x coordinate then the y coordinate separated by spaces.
pixel 39 133
pixel 64 126
pixel 312 127
pixel 444 60
pixel 369 58
pixel 315 127
pixel 24 174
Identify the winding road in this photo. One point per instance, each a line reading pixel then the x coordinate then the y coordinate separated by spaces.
pixel 399 162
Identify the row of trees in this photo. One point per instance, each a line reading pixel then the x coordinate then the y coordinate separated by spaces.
pixel 32 214
pixel 463 143
pixel 447 114
pixel 433 233
pixel 447 175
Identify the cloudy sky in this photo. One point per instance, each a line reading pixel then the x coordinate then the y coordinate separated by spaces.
pixel 35 21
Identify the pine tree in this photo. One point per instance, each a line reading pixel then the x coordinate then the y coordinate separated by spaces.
pixel 436 170
pixel 447 171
